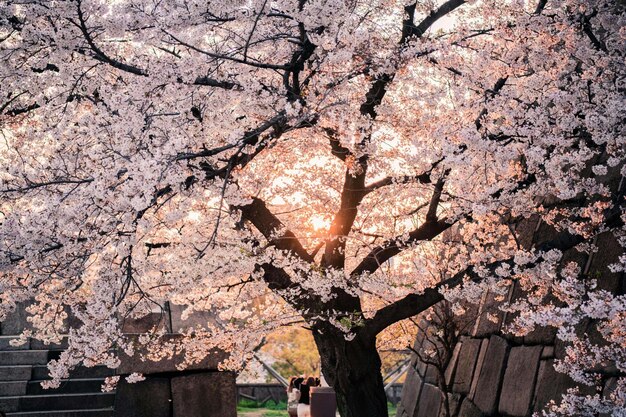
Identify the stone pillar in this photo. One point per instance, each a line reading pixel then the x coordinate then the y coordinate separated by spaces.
pixel 198 391
pixel 206 394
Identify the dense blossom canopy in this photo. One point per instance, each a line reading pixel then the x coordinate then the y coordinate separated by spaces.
pixel 341 162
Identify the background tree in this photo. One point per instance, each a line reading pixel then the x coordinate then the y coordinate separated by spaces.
pixel 294 352
pixel 439 332
pixel 310 154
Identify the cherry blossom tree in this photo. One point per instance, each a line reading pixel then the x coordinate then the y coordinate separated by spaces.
pixel 342 163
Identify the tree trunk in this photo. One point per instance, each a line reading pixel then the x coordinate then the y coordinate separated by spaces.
pixel 352 368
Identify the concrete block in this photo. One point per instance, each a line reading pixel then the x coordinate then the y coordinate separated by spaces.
pixel 525 231
pixel 450 370
pixel 609 387
pixel 24 357
pixel 8 404
pixel 41 372
pixel 196 319
pixel 545 233
pixel 520 376
pixel 15 322
pixel 547 352
pixel 454 404
pixel 39 345
pixel 411 391
pixel 466 365
pixel 429 402
pixel 149 398
pixel 468 409
pixel 484 326
pixel 421 367
pixel 541 335
pixel 421 335
pixel 145 324
pixel 12 388
pixel 432 375
pixel 559 348
pixel 479 365
pixel 130 364
pixel 68 386
pixel 211 394
pixel 551 385
pixel 609 253
pixel 67 401
pixel 487 391
pixel 5 344
pixel 15 373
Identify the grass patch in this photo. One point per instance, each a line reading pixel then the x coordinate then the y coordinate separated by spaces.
pixel 271 409
pixel 275 413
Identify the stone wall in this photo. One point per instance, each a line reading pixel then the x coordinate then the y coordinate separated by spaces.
pixel 178 394
pixel 199 391
pixel 488 376
pixel 490 372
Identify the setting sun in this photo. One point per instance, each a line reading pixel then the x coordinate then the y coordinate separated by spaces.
pixel 320 222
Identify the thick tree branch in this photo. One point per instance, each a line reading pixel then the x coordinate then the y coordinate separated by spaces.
pixel 249 138
pixel 431 214
pixel 405 179
pixel 430 229
pixel 354 183
pixel 414 304
pixel 588 29
pixel 226 57
pixel 269 225
pixel 352 194
pixel 336 148
pixel 392 247
pixel 423 178
pixel 211 82
pixel 417 31
pixel 99 54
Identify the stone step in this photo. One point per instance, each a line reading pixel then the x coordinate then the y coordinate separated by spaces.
pixel 68 386
pixel 5 344
pixel 58 402
pixel 16 373
pixel 38 344
pixel 32 344
pixel 8 404
pixel 102 412
pixel 23 357
pixel 41 372
pixel 13 388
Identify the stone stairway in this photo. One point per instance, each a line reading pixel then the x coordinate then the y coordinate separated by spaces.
pixel 23 368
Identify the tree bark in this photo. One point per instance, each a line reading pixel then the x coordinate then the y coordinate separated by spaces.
pixel 352 368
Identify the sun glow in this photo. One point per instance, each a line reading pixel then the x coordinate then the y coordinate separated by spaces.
pixel 320 222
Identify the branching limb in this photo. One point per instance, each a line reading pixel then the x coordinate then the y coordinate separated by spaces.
pixel 98 53
pixel 423 178
pixel 268 224
pixel 414 304
pixel 336 148
pixel 380 254
pixel 33 185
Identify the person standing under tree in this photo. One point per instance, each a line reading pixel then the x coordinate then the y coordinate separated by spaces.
pixel 304 407
pixel 293 394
